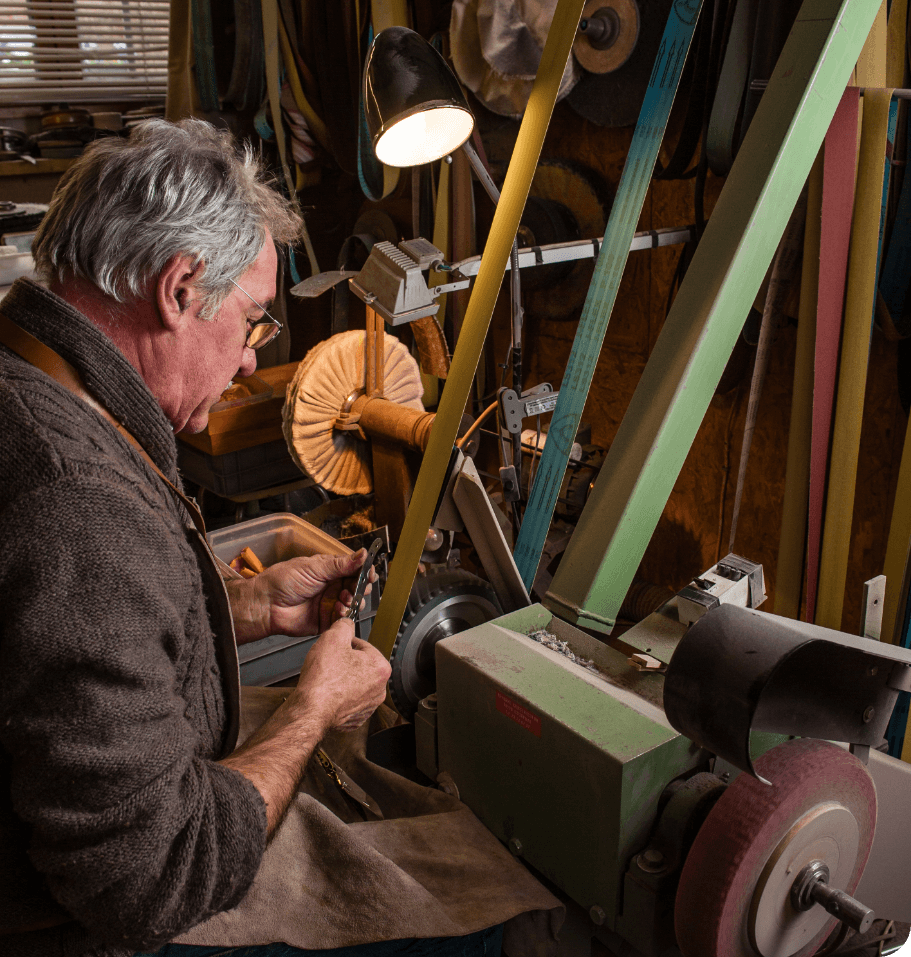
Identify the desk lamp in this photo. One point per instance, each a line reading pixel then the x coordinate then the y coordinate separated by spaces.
pixel 416 113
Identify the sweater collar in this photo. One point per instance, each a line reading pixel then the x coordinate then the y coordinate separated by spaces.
pixel 106 372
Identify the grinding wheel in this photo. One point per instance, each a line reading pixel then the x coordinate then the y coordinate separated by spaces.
pixel 441 604
pixel 619 22
pixel 733 898
pixel 614 98
pixel 567 201
pixel 329 375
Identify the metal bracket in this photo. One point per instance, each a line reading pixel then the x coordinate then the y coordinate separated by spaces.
pixel 535 401
pixel 874 600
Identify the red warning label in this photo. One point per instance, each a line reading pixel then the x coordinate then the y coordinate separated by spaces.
pixel 514 711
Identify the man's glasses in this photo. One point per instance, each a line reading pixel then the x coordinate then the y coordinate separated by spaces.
pixel 265 330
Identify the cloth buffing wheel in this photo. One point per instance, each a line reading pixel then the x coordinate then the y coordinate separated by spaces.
pixel 327 376
pixel 732 900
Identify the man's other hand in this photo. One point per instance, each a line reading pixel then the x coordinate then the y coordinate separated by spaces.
pixel 298 598
pixel 343 678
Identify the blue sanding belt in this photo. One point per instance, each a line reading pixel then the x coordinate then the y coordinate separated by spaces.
pixel 682 374
pixel 599 303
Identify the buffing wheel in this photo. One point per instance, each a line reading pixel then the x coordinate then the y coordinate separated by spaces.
pixel 328 375
pixel 615 98
pixel 621 20
pixel 733 898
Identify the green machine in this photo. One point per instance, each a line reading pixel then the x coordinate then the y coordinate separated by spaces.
pixel 646 779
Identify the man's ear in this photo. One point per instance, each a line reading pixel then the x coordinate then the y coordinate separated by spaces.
pixel 176 289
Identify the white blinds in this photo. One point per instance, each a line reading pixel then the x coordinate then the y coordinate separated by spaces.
pixel 79 51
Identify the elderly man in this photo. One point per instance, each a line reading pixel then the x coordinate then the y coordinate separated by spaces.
pixel 127 814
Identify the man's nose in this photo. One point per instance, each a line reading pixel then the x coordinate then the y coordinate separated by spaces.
pixel 247 363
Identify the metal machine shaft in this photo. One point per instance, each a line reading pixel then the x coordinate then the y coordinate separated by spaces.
pixel 812 887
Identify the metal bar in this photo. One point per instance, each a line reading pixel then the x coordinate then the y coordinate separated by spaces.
pixel 686 364
pixel 582 249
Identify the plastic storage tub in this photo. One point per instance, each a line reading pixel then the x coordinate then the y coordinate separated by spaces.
pixel 276 538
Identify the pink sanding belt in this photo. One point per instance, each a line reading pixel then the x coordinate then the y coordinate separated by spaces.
pixel 837 208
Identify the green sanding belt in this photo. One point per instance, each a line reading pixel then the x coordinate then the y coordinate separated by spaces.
pixel 477 320
pixel 727 270
pixel 599 303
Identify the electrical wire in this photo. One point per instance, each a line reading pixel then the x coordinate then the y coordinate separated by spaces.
pixel 863 947
pixel 478 422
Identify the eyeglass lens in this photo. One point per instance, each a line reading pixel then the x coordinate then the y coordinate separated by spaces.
pixel 262 333
pixel 265 330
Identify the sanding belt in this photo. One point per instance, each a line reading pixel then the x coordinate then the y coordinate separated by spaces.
pixel 721 138
pixel 477 320
pixel 376 186
pixel 602 293
pixel 839 175
pixel 274 38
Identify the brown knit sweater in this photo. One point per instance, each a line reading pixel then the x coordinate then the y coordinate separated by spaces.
pixel 114 816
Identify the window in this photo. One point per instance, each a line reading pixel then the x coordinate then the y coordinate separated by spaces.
pixel 82 51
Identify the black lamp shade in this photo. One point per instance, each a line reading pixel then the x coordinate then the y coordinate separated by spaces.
pixel 408 85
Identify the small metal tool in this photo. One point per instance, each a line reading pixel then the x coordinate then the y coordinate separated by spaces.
pixel 364 577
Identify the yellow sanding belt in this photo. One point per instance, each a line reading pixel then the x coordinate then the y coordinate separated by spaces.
pixel 852 379
pixel 314 122
pixel 871 64
pixel 389 13
pixel 792 545
pixel 477 320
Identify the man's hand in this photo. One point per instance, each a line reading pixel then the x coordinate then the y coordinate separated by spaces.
pixel 342 683
pixel 298 598
pixel 343 679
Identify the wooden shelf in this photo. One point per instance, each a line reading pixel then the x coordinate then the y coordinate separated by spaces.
pixel 22 168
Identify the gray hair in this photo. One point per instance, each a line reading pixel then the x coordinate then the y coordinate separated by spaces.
pixel 128 206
